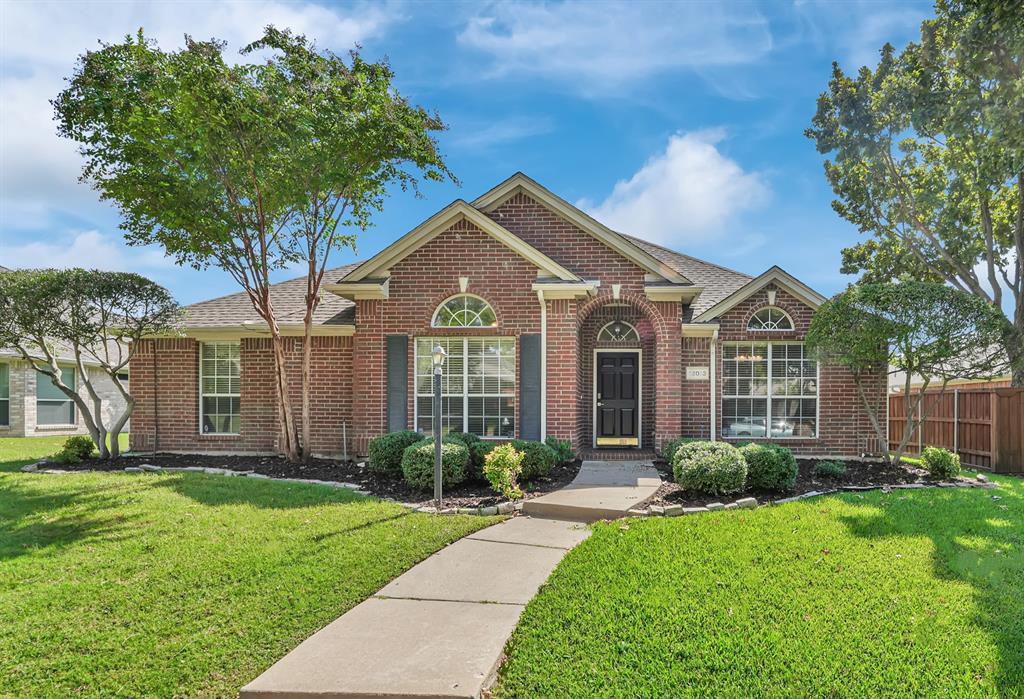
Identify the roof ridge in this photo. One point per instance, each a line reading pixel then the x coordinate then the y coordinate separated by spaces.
pixel 689 257
pixel 285 281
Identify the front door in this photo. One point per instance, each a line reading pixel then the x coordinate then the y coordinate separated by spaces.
pixel 618 399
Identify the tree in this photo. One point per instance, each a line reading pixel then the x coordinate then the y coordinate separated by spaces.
pixel 91 317
pixel 928 155
pixel 924 329
pixel 250 168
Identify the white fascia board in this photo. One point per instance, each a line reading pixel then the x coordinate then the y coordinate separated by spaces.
pixel 775 275
pixel 248 330
pixel 358 291
pixel 672 293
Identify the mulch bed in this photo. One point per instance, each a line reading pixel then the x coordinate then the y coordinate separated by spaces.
pixel 468 494
pixel 858 473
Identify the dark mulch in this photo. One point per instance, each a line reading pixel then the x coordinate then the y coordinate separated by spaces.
pixel 469 494
pixel 858 473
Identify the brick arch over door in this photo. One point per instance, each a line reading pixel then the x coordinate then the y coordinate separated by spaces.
pixel 658 325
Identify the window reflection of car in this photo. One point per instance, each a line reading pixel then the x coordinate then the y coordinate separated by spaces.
pixel 782 428
pixel 745 427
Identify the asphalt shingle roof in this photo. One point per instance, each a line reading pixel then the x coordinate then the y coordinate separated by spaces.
pixel 289 303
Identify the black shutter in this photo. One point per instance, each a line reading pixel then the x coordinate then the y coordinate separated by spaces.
pixel 398 383
pixel 529 386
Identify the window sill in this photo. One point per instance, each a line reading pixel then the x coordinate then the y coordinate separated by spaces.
pixel 55 428
pixel 221 435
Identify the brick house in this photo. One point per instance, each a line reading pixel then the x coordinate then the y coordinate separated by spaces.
pixel 553 325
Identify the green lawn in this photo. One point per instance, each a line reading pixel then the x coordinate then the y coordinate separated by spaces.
pixel 914 593
pixel 181 585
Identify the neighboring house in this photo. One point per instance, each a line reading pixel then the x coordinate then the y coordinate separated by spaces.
pixel 553 325
pixel 31 406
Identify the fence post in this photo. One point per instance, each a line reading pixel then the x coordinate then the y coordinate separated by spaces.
pixel 956 421
pixel 920 425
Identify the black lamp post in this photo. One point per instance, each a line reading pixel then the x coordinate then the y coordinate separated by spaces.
pixel 438 355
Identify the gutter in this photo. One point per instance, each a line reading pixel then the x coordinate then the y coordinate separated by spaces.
pixel 714 383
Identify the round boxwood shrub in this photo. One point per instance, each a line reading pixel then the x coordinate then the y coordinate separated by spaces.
pixel 715 468
pixel 669 448
pixel 770 467
pixel 75 450
pixel 538 459
pixel 830 469
pixel 386 451
pixel 418 464
pixel 942 464
pixel 478 452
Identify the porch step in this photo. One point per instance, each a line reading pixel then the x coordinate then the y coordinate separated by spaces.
pixel 601 490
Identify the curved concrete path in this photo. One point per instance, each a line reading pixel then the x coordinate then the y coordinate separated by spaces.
pixel 439 629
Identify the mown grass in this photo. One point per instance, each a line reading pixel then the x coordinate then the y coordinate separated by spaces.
pixel 913 593
pixel 117 584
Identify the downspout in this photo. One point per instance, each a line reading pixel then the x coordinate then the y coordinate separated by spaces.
pixel 543 366
pixel 714 383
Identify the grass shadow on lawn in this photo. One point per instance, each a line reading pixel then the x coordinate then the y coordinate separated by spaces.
pixel 976 540
pixel 216 491
pixel 27 522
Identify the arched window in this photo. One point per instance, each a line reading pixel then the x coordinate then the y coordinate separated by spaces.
pixel 464 311
pixel 770 318
pixel 618 331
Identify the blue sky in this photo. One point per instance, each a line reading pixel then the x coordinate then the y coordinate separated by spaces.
pixel 679 123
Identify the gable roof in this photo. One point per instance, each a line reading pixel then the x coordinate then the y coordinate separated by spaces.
pixel 621 244
pixel 717 281
pixel 774 274
pixel 442 221
pixel 289 299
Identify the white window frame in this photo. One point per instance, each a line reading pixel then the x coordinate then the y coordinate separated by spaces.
pixel 769 396
pixel 791 328
pixel 74 408
pixel 437 311
pixel 7 398
pixel 465 381
pixel 220 395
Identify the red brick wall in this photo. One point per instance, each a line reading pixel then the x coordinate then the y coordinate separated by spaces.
pixel 566 244
pixel 165 383
pixel 696 395
pixel 843 425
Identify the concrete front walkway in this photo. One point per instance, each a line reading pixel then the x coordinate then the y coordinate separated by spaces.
pixel 601 490
pixel 436 631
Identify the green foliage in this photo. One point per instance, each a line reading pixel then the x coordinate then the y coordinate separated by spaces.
pixel 941 464
pixel 385 452
pixel 926 154
pixel 924 329
pixel 467 438
pixel 564 452
pixel 418 464
pixel 715 468
pixel 502 467
pixel 538 459
pixel 478 452
pixel 770 467
pixel 668 450
pixel 830 469
pixel 79 445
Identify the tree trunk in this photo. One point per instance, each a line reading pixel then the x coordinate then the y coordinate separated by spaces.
pixel 115 429
pixel 307 418
pixel 97 411
pixel 872 411
pixel 288 433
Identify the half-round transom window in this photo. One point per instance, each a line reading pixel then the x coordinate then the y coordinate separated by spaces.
pixel 770 318
pixel 618 331
pixel 465 311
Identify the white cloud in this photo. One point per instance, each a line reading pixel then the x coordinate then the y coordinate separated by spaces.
pixel 495 133
pixel 88 249
pixel 689 192
pixel 601 46
pixel 39 42
pixel 860 29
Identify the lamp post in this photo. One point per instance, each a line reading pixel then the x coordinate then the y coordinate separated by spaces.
pixel 438 355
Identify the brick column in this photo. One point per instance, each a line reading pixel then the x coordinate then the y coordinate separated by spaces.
pixel 562 367
pixel 369 418
pixel 668 419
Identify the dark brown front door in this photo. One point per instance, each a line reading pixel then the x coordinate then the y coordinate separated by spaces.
pixel 618 399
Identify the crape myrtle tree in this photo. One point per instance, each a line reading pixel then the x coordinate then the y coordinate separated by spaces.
pixel 924 329
pixel 249 167
pixel 927 158
pixel 90 317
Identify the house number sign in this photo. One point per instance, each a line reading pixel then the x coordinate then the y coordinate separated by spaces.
pixel 697 373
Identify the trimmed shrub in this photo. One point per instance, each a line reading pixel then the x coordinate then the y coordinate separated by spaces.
pixel 385 452
pixel 830 469
pixel 467 438
pixel 538 458
pixel 942 464
pixel 668 450
pixel 478 452
pixel 75 450
pixel 715 468
pixel 418 464
pixel 562 448
pixel 770 467
pixel 502 468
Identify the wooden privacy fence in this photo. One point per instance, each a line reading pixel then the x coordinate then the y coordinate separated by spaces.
pixel 985 426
